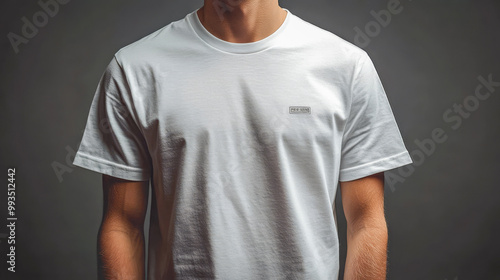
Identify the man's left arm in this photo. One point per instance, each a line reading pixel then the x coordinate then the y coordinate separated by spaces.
pixel 367 235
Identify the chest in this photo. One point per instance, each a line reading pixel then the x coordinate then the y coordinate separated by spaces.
pixel 228 102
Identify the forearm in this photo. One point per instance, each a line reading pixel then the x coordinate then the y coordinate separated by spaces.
pixel 121 252
pixel 367 253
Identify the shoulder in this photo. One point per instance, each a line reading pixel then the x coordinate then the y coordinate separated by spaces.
pixel 157 44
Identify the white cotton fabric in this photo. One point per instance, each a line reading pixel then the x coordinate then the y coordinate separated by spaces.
pixel 242 188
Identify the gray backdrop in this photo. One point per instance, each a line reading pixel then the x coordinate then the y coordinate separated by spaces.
pixel 442 211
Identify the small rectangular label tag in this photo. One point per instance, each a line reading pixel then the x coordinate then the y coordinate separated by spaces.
pixel 299 110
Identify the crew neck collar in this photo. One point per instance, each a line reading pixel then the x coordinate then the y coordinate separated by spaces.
pixel 237 48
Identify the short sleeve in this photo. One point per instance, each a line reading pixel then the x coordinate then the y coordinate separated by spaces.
pixel 112 141
pixel 372 142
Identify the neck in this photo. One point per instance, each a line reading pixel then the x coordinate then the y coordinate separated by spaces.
pixel 241 21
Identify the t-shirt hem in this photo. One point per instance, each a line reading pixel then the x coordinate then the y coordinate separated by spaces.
pixel 110 168
pixel 381 165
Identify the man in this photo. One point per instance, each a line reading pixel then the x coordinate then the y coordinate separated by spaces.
pixel 245 118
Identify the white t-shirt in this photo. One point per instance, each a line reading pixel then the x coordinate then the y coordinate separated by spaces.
pixel 244 143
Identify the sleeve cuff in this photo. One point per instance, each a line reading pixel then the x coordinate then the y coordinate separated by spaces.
pixel 110 168
pixel 381 165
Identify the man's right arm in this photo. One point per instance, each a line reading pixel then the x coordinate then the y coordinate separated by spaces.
pixel 121 236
